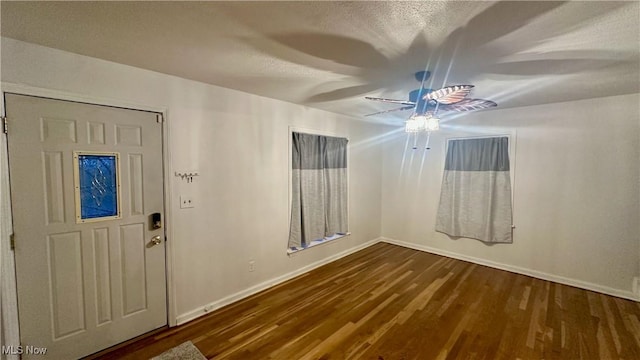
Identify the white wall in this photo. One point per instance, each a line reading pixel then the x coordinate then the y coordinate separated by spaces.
pixel 576 191
pixel 576 199
pixel 239 144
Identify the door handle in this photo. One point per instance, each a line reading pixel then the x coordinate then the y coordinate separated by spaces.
pixel 156 240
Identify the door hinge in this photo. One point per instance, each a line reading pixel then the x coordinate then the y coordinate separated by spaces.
pixel 12 241
pixel 159 118
pixel 5 125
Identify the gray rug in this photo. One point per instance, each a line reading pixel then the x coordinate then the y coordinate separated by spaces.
pixel 184 351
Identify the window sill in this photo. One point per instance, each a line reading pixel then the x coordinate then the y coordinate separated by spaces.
pixel 328 239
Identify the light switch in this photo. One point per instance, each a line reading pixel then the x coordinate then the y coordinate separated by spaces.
pixel 186 202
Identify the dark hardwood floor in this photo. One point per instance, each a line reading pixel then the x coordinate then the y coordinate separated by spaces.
pixel 389 303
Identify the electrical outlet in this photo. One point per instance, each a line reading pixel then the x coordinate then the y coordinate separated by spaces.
pixel 252 265
pixel 186 202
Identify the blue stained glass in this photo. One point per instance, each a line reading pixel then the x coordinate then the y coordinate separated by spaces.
pixel 98 186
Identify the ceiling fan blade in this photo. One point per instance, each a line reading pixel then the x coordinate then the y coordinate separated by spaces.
pixel 396 109
pixel 401 102
pixel 450 94
pixel 468 105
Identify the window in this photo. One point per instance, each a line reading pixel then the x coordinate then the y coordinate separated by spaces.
pixel 319 189
pixel 97 186
pixel 475 200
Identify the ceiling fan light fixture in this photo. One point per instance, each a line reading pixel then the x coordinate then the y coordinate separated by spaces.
pixel 416 123
pixel 432 124
pixel 419 123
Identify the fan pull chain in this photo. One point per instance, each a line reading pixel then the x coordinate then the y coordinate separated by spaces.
pixel 415 140
pixel 426 146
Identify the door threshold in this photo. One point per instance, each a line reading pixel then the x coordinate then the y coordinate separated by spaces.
pixel 112 351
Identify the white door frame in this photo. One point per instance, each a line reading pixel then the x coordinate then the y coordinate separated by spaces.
pixel 6 87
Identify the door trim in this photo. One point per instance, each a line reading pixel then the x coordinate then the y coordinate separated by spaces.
pixel 11 330
pixel 7 87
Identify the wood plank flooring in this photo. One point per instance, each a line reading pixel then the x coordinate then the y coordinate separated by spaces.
pixel 388 303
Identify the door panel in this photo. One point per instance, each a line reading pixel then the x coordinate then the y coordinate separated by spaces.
pixel 83 287
pixel 52 164
pixel 102 260
pixel 67 290
pixel 134 294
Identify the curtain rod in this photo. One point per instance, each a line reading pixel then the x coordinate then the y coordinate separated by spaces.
pixel 479 137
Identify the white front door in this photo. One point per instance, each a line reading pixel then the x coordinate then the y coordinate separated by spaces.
pixel 85 181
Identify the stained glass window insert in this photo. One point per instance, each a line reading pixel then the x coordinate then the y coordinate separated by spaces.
pixel 97 185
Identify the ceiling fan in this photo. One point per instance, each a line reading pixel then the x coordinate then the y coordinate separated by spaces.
pixel 425 103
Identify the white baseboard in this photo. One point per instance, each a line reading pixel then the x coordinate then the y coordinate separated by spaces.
pixel 630 295
pixel 200 311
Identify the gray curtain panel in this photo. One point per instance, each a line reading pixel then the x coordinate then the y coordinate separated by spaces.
pixel 475 201
pixel 319 188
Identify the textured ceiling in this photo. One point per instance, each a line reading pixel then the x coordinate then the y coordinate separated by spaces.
pixel 329 55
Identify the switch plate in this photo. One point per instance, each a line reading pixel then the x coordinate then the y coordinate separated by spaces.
pixel 186 202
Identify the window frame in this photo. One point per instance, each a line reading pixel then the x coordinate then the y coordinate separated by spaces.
pixel 76 185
